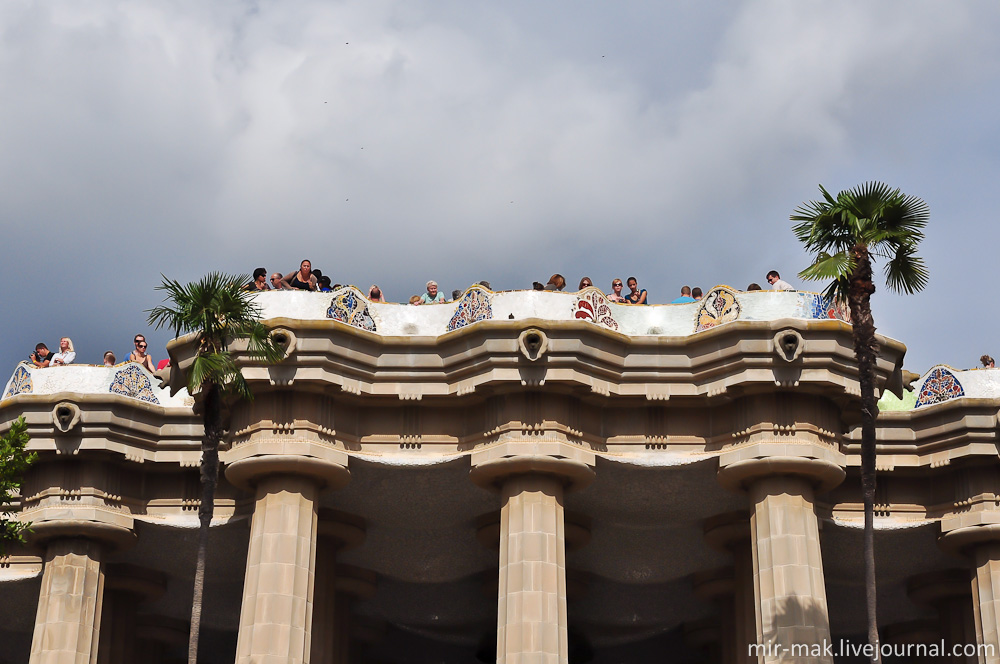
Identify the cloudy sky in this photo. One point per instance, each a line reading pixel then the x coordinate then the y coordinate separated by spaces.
pixel 395 142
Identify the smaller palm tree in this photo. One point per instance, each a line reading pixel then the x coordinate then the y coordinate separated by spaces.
pixel 871 221
pixel 218 311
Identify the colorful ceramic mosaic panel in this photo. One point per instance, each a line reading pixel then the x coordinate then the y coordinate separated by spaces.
pixel 813 305
pixel 717 307
pixel 475 305
pixel 133 382
pixel 940 385
pixel 591 304
pixel 351 307
pixel 20 382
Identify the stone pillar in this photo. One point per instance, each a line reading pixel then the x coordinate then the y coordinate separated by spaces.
pixel 949 592
pixel 731 532
pixel 337 532
pixel 71 523
pixel 532 478
pixel 68 620
pixel 353 584
pixel 789 588
pixel 125 588
pixel 717 587
pixel 977 535
pixel 276 615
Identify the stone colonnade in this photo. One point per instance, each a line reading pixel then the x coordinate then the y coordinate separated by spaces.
pixel 773 595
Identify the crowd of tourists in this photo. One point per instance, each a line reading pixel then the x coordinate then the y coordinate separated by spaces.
pixel 42 357
pixel 309 279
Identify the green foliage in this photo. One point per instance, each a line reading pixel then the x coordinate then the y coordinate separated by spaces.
pixel 14 461
pixel 219 311
pixel 888 223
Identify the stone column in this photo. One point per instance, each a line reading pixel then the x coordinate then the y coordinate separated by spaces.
pixel 353 584
pixel 731 532
pixel 949 592
pixel 977 535
pixel 717 586
pixel 789 588
pixel 276 615
pixel 68 619
pixel 532 478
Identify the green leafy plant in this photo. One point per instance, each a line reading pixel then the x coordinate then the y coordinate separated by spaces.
pixel 14 461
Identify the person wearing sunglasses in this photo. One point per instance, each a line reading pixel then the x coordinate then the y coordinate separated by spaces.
pixel 139 354
pixel 616 291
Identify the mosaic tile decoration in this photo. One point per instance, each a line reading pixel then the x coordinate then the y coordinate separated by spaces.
pixel 815 306
pixel 591 304
pixel 474 306
pixel 940 385
pixel 133 382
pixel 351 307
pixel 718 306
pixel 20 382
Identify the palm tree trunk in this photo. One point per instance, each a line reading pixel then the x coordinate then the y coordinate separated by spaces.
pixel 866 350
pixel 209 479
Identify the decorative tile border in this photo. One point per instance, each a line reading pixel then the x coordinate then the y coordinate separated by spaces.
pixel 133 382
pixel 474 306
pixel 591 304
pixel 940 385
pixel 717 307
pixel 20 382
pixel 349 306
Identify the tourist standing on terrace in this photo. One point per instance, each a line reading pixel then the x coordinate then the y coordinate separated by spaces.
pixel 616 291
pixel 988 362
pixel 638 295
pixel 139 354
pixel 697 293
pixel 259 282
pixel 41 357
pixel 375 294
pixel 585 283
pixel 557 282
pixel 432 296
pixel 301 279
pixel 66 354
pixel 776 281
pixel 276 281
pixel 685 296
pixel 109 359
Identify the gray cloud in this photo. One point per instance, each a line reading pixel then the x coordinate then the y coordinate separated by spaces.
pixel 392 142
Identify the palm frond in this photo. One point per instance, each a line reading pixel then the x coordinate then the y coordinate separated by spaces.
pixel 906 272
pixel 828 266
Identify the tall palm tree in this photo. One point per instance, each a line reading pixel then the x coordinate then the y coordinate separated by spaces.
pixel 218 311
pixel 847 234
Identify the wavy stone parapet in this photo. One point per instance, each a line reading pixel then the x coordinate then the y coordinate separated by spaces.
pixel 721 305
pixel 942 383
pixel 129 379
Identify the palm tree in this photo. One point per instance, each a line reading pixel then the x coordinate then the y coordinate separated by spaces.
pixel 218 311
pixel 847 233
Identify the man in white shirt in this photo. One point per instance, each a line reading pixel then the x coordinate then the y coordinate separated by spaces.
pixel 776 281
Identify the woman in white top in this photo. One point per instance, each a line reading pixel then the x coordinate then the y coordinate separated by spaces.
pixel 66 354
pixel 139 355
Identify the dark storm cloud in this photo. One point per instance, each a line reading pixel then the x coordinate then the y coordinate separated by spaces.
pixel 394 142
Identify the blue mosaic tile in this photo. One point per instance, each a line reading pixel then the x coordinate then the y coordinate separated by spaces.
pixel 475 305
pixel 20 382
pixel 940 385
pixel 133 382
pixel 349 306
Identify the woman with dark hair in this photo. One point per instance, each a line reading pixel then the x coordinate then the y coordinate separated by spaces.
pixel 585 283
pixel 301 279
pixel 638 295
